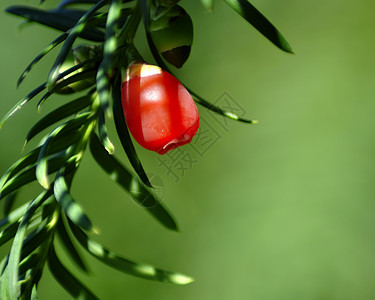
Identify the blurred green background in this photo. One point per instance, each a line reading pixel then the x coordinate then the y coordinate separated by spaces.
pixel 279 210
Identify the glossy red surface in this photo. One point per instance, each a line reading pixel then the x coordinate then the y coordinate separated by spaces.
pixel 160 113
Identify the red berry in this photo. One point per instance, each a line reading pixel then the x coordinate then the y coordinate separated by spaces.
pixel 160 113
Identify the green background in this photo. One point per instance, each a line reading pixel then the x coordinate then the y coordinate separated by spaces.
pixel 279 210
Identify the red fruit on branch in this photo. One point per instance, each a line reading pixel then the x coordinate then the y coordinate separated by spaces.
pixel 160 113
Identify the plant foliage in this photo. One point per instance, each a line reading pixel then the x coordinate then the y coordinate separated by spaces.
pixel 96 47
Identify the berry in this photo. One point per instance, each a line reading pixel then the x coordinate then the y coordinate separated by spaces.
pixel 159 112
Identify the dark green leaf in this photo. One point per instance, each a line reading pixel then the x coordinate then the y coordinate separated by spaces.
pixel 37 243
pixel 124 265
pixel 28 160
pixel 58 115
pixel 76 67
pixel 71 284
pixel 74 33
pixel 123 133
pixel 131 184
pixel 103 133
pixel 13 175
pixel 41 167
pixel 71 208
pixel 255 18
pixel 45 51
pixel 29 176
pixel 66 3
pixel 83 75
pixel 100 19
pixel 105 71
pixel 9 202
pixel 28 263
pixel 42 232
pixel 63 20
pixel 218 110
pixel 146 13
pixel 61 142
pixel 8 233
pixel 13 288
pixel 33 277
pixel 110 43
pixel 26 268
pixel 103 88
pixel 69 246
pixel 35 239
pixel 21 103
pixel 14 216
